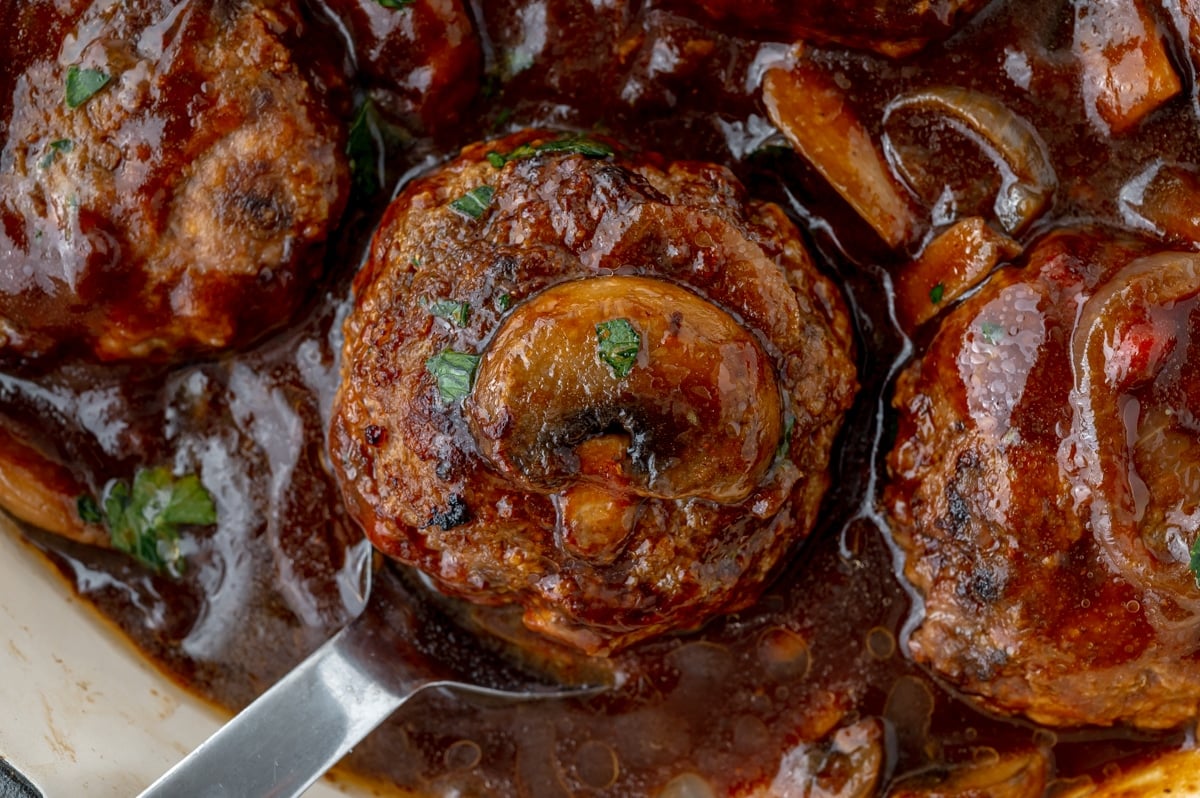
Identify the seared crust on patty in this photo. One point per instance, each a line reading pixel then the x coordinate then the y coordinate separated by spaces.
pixel 595 523
pixel 1044 486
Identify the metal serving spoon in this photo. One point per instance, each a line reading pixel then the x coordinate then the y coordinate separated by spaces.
pixel 284 741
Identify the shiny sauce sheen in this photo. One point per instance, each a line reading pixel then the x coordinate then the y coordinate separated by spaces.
pixel 722 706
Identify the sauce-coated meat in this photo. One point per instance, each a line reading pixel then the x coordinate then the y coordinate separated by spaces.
pixel 615 491
pixel 1045 486
pixel 168 171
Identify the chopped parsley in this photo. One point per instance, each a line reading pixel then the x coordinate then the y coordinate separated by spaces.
pixel 1194 564
pixel 83 84
pixel 503 302
pixel 991 332
pixel 395 4
pixel 454 373
pixel 785 444
pixel 143 519
pixel 618 344
pixel 474 202
pixel 89 509
pixel 56 147
pixel 457 312
pixel 362 148
pixel 936 293
pixel 501 119
pixel 570 143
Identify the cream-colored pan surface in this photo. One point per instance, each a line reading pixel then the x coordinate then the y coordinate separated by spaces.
pixel 81 713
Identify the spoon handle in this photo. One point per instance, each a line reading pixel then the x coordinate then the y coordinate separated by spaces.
pixel 284 741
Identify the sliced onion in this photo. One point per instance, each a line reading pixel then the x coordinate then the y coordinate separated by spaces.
pixel 848 763
pixel 1098 454
pixel 1126 72
pixel 1186 17
pixel 815 114
pixel 41 492
pixel 1009 141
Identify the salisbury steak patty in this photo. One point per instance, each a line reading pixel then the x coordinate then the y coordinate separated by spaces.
pixel 598 385
pixel 166 172
pixel 1045 486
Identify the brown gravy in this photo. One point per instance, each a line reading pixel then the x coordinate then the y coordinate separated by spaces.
pixel 825 646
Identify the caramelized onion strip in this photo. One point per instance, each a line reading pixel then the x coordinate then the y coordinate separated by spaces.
pixel 1162 199
pixel 1013 774
pixel 41 492
pixel 1115 347
pixel 815 116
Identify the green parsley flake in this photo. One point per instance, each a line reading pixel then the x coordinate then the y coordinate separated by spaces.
pixel 144 520
pixel 474 202
pixel 1194 564
pixel 89 509
pixel 618 344
pixel 579 145
pixel 362 148
pixel 457 312
pixel 395 4
pixel 785 443
pixel 454 372
pixel 83 84
pixel 501 120
pixel 57 146
pixel 570 143
pixel 935 293
pixel 503 302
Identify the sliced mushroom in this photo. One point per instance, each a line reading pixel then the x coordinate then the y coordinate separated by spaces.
pixel 951 264
pixel 1008 140
pixel 697 399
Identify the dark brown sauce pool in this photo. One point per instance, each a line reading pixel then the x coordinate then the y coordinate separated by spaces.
pixel 824 647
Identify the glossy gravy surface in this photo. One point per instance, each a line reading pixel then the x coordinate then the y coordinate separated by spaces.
pixel 727 704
